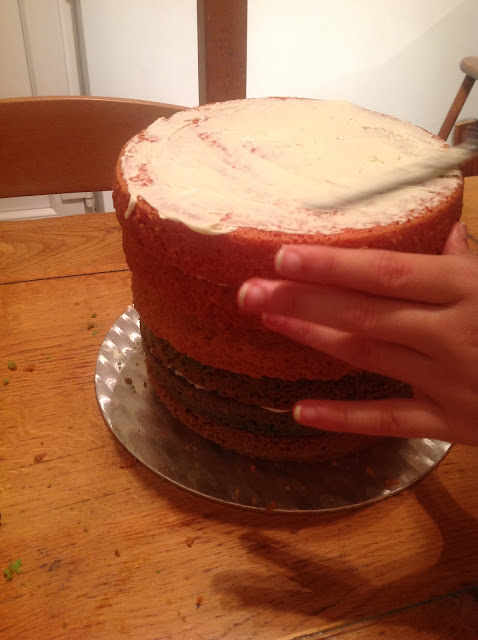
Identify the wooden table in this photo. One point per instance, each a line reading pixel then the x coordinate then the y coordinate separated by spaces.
pixel 110 551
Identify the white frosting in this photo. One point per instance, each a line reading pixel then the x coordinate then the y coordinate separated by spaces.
pixel 253 163
pixel 197 386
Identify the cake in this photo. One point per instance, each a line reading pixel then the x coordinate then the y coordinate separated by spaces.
pixel 205 200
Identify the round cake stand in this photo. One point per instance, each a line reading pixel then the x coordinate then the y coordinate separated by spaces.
pixel 168 448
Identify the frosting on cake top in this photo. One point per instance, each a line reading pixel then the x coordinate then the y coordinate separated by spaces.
pixel 254 163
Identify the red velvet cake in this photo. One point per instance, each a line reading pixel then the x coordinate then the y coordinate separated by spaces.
pixel 205 199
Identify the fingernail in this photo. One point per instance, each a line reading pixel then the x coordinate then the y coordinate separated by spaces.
pixel 254 293
pixel 288 261
pixel 304 414
pixel 463 230
pixel 315 415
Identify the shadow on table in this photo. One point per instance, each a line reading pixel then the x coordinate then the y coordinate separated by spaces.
pixel 330 588
pixel 334 589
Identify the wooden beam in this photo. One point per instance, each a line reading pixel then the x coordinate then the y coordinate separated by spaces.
pixel 222 49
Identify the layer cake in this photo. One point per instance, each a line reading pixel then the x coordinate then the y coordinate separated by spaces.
pixel 205 199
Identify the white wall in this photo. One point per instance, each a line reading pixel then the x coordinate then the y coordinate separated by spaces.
pixel 144 49
pixel 400 57
pixel 396 56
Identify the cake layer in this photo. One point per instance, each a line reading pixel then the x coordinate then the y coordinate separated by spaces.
pixel 212 406
pixel 215 191
pixel 204 299
pixel 206 199
pixel 234 257
pixel 255 353
pixel 313 448
pixel 268 392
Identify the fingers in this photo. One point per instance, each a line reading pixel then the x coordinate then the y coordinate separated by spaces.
pixel 408 276
pixel 457 241
pixel 385 358
pixel 406 418
pixel 409 324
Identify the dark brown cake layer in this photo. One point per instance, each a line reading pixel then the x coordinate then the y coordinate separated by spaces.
pixel 316 448
pixel 270 392
pixel 214 407
pixel 245 428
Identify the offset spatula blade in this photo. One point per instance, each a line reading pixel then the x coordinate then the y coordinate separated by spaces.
pixel 416 173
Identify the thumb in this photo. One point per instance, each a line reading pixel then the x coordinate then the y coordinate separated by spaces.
pixel 457 241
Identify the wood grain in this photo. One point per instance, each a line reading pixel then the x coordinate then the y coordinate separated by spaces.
pixel 222 50
pixel 455 616
pixel 64 144
pixel 35 249
pixel 106 545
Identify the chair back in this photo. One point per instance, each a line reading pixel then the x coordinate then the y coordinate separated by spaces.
pixel 67 144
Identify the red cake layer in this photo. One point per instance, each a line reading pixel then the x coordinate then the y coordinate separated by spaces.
pixel 234 257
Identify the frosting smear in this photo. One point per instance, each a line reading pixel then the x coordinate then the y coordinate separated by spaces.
pixel 254 163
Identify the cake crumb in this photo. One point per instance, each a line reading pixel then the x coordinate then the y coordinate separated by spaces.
pixel 128 381
pixel 117 553
pixel 93 333
pixel 85 529
pixel 13 567
pixel 29 368
pixel 199 601
pixel 90 325
pixel 39 457
pixel 93 315
pixel 12 365
pixel 190 541
pixel 6 381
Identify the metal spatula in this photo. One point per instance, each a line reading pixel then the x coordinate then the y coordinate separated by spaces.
pixel 430 167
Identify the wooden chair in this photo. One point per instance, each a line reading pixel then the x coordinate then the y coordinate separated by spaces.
pixel 67 144
pixel 469 66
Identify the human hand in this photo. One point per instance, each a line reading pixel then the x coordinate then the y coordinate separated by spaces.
pixel 408 316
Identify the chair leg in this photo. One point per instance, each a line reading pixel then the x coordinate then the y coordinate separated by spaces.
pixel 456 107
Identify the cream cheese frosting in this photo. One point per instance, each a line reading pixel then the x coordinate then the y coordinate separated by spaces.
pixel 254 163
